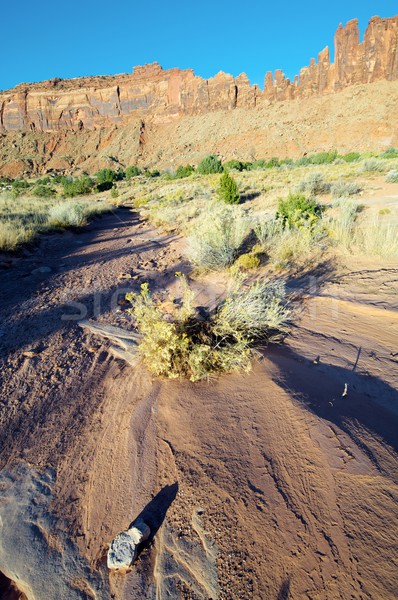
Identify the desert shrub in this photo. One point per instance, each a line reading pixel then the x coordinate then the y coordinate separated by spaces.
pixel 67 214
pixel 268 229
pixel 43 181
pixel 272 163
pixel 184 171
pixel 298 211
pixel 376 238
pixel 216 236
pixel 114 192
pixel 314 184
pixel 42 191
pixel 132 171
pixel 385 211
pixel 152 174
pixel 61 179
pixel 20 185
pixel 234 165
pixel 287 247
pixel 246 262
pixel 341 227
pixel 104 186
pixel 350 157
pixel 210 164
pixel 105 176
pixel 13 235
pixel 372 165
pixel 342 189
pixel 322 158
pixel 96 209
pixel 392 176
pixel 228 189
pixel 390 153
pixel 187 345
pixel 77 187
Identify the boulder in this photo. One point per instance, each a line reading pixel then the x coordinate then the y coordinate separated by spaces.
pixel 124 548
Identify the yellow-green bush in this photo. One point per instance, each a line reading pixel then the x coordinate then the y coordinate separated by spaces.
pixel 194 347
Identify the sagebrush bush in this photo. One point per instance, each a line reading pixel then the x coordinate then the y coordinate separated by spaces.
pixel 228 189
pixel 372 165
pixel 216 236
pixel 210 164
pixel 298 211
pixel 67 214
pixel 314 184
pixel 341 189
pixel 341 227
pixel 187 345
pixel 392 176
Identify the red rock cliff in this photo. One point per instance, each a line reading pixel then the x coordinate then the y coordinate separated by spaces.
pixel 374 59
pixel 161 96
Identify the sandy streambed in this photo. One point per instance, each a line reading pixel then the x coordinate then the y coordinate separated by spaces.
pixel 277 484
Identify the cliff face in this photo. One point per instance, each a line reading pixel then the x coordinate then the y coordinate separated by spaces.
pixel 161 96
pixel 90 103
pixel 374 59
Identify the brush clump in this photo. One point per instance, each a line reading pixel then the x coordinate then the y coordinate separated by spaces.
pixel 189 343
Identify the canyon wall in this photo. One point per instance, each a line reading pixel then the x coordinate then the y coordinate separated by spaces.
pixel 374 59
pixel 159 96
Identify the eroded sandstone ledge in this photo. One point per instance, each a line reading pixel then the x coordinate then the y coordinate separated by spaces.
pixel 161 96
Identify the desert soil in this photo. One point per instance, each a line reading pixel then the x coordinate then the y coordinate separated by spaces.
pixel 282 483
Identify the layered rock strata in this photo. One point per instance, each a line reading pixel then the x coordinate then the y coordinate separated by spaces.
pixel 160 96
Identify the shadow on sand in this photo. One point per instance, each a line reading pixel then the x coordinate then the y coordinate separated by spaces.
pixel 154 513
pixel 355 402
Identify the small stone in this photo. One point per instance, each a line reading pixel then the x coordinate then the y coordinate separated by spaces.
pixel 123 549
pixel 30 354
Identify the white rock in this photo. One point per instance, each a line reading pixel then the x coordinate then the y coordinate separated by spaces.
pixel 123 549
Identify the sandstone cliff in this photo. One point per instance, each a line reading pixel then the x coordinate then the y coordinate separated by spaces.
pixel 159 96
pixel 374 59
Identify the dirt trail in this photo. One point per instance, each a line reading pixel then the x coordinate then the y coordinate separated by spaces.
pixel 278 484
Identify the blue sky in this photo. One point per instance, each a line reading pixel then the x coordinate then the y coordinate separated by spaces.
pixel 41 40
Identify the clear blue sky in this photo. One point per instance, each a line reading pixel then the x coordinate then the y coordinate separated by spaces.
pixel 41 40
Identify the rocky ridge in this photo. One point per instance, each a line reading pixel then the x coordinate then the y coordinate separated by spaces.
pixel 161 96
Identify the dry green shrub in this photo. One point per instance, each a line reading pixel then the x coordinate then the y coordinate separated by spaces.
pixel 341 189
pixel 288 246
pixel 341 228
pixel 376 238
pixel 372 165
pixel 216 236
pixel 13 235
pixel 193 347
pixel 247 261
pixel 314 184
pixel 67 214
pixel 392 176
